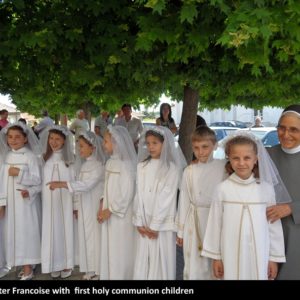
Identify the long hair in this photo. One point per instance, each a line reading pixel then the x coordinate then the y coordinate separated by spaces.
pixel 163 105
pixel 155 134
pixel 49 151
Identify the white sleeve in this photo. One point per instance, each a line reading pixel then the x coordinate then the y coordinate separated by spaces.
pixel 163 217
pixel 30 174
pixel 119 205
pixel 212 239
pixel 184 203
pixel 96 176
pixel 137 218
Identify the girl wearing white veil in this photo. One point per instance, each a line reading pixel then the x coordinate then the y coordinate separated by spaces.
pixel 19 192
pixel 88 191
pixel 57 229
pixel 158 174
pixel 238 236
pixel 117 230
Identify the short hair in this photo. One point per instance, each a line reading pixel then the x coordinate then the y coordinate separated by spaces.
pixel 78 112
pixel 127 105
pixel 240 140
pixel 3 111
pixel 203 133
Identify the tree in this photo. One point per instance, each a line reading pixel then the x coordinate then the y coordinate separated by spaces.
pixel 220 52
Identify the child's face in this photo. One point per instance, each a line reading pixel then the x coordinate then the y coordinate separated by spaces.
pixel 85 149
pixel 15 139
pixel 154 146
pixel 107 143
pixel 203 150
pixel 56 141
pixel 242 159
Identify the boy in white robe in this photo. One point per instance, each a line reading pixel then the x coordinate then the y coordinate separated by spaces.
pixel 88 190
pixel 115 216
pixel 238 236
pixel 155 202
pixel 199 182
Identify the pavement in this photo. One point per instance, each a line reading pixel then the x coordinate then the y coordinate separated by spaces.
pixel 76 275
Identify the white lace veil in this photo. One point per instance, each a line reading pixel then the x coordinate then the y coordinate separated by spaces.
pixel 123 148
pixel 170 151
pixel 68 147
pixel 267 169
pixel 32 141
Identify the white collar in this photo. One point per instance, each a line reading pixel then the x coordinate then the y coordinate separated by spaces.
pixel 291 151
pixel 237 179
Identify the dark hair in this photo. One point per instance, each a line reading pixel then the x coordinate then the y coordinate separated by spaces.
pixel 3 111
pixel 162 106
pixel 17 127
pixel 22 120
pixel 85 140
pixel 240 140
pixel 203 133
pixel 155 134
pixel 49 151
pixel 126 105
pixel 200 121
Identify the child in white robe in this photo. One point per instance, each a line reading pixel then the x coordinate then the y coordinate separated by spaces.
pixel 19 192
pixel 198 184
pixel 57 229
pixel 88 190
pixel 238 236
pixel 117 230
pixel 158 176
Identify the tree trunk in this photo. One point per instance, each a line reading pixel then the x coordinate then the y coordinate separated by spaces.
pixel 87 110
pixel 188 121
pixel 57 119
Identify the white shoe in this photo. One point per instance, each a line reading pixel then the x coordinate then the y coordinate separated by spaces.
pixel 27 277
pixel 55 274
pixel 66 274
pixel 4 271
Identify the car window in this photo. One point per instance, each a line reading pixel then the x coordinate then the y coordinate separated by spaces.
pixel 271 139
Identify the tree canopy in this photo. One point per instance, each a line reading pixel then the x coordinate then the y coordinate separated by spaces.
pixel 62 54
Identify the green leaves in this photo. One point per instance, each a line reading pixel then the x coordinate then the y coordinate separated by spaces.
pixel 188 12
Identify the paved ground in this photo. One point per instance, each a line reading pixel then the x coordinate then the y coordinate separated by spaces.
pixel 76 275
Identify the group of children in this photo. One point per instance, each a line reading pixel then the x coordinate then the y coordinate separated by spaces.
pixel 125 211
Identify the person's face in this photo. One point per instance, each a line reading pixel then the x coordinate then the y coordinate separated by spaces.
pixel 242 159
pixel 85 149
pixel 81 115
pixel 4 116
pixel 56 141
pixel 289 131
pixel 257 122
pixel 154 146
pixel 165 110
pixel 15 139
pixel 107 143
pixel 126 111
pixel 104 114
pixel 97 130
pixel 203 150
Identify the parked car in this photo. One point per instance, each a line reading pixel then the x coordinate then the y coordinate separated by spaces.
pixel 222 132
pixel 233 123
pixel 268 135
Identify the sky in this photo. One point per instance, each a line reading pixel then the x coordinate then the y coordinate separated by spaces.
pixel 5 100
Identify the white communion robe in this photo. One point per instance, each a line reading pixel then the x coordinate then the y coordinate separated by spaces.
pixel 155 207
pixel 88 191
pixel 57 229
pixel 22 215
pixel 2 243
pixel 196 194
pixel 238 232
pixel 118 232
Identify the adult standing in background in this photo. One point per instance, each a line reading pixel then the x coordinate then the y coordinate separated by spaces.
pixel 286 157
pixel 45 122
pixel 102 121
pixel 134 125
pixel 3 118
pixel 258 122
pixel 79 124
pixel 165 118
